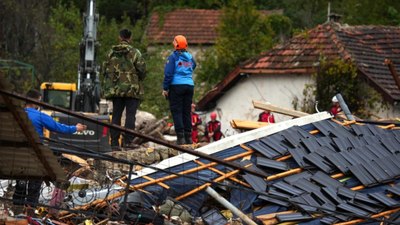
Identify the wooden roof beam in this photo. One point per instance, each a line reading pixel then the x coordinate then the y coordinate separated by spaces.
pixel 277 109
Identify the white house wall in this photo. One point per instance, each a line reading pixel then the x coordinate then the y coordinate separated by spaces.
pixel 387 112
pixel 279 90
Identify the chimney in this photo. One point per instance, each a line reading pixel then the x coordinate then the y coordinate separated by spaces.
pixel 333 17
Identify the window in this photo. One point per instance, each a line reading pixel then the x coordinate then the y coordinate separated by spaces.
pixel 58 98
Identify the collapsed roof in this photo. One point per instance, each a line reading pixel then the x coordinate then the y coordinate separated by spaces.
pixel 318 171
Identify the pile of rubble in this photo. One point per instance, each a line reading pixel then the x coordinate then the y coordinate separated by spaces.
pixel 309 170
pixel 317 171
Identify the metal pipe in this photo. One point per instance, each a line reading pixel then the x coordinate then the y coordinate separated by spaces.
pixel 133 132
pixel 229 206
pixel 316 107
pixel 79 81
pixel 344 107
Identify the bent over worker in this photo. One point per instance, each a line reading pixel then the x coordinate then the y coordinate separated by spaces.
pixel 335 109
pixel 27 192
pixel 266 116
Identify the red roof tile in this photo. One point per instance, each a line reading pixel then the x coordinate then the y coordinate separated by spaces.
pixel 197 25
pixel 367 46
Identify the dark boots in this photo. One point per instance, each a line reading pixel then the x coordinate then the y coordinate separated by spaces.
pixel 184 138
pixel 180 138
pixel 188 138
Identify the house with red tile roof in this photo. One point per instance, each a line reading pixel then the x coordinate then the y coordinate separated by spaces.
pixel 280 75
pixel 199 26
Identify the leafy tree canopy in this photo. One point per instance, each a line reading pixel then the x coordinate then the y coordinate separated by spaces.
pixel 340 76
pixel 309 13
pixel 243 33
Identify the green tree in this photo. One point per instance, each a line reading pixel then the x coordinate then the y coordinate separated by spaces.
pixel 205 4
pixel 138 10
pixel 244 32
pixel 338 76
pixel 116 10
pixel 303 13
pixel 153 101
pixel 393 16
pixel 309 13
pixel 366 12
pixel 282 27
pixel 24 34
pixel 63 52
pixel 66 22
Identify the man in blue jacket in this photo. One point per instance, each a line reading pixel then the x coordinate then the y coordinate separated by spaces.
pixel 178 87
pixel 27 191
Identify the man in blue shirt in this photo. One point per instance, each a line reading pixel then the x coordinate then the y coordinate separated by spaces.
pixel 28 191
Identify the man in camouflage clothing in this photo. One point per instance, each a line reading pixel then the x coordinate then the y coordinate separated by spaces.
pixel 124 72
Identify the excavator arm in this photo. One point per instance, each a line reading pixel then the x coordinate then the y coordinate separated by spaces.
pixel 83 97
pixel 88 90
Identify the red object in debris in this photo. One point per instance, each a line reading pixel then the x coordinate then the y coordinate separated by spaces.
pixel 105 131
pixel 57 198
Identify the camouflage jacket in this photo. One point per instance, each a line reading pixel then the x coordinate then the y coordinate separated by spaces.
pixel 124 72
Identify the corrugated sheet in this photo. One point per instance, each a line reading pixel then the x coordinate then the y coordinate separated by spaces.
pixel 312 194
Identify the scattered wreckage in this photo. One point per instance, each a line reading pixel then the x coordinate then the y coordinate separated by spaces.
pixel 309 170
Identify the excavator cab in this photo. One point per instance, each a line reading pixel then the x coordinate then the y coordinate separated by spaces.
pixel 59 94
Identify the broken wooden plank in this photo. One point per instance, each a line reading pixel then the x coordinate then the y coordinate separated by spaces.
pixel 159 183
pixel 204 186
pixel 248 125
pixel 222 173
pixel 76 159
pixel 277 109
pixel 99 203
pixel 375 216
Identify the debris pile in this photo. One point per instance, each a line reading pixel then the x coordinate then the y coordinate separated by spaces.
pixel 323 172
pixel 309 170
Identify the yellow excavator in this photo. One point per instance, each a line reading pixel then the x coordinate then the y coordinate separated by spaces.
pixel 83 96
